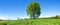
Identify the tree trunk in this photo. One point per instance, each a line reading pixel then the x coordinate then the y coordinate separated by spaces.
pixel 33 16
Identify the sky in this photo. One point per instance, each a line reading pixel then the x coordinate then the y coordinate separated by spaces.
pixel 13 9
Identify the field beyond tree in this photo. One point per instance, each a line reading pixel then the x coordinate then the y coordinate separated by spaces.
pixel 40 21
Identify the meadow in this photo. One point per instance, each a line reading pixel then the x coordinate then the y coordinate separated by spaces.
pixel 31 22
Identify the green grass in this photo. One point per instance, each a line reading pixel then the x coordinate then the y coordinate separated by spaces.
pixel 31 22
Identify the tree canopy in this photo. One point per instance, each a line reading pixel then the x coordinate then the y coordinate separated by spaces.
pixel 33 10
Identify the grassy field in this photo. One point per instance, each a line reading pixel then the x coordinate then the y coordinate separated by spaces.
pixel 31 22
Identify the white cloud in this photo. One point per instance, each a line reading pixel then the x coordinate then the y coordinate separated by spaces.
pixel 3 17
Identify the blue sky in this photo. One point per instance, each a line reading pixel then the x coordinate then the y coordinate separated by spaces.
pixel 12 9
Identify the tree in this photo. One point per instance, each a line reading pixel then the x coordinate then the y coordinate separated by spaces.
pixel 56 16
pixel 33 10
pixel 17 18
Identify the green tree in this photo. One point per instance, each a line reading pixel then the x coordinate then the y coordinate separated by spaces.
pixel 18 19
pixel 33 10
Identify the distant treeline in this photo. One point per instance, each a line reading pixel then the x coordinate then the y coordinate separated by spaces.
pixel 56 17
